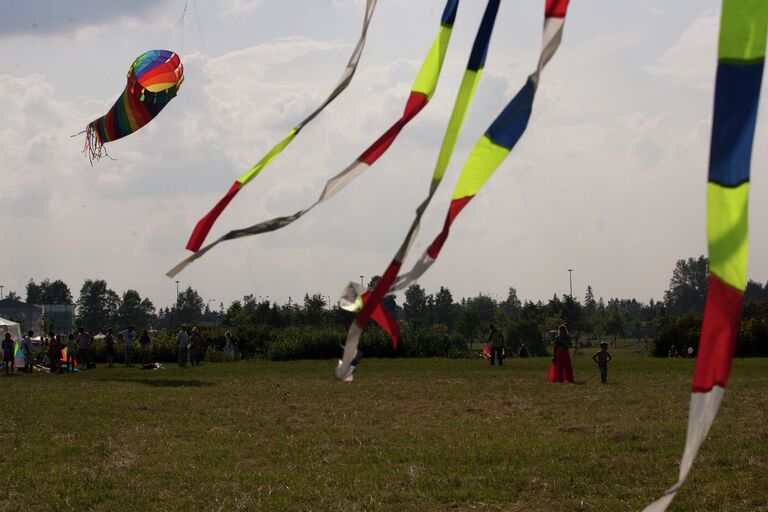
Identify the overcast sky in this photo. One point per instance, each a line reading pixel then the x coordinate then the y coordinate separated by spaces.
pixel 609 180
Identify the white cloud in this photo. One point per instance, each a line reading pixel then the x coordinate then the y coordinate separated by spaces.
pixel 569 196
pixel 691 61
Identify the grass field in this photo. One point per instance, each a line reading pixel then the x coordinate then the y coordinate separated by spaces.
pixel 417 434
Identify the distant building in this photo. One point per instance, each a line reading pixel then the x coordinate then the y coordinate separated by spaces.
pixel 59 317
pixel 28 315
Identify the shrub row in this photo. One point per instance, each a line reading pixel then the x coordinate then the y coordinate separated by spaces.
pixel 301 342
pixel 684 332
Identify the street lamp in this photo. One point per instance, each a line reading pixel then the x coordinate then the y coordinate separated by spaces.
pixel 570 282
pixel 1 290
pixel 177 293
pixel 361 280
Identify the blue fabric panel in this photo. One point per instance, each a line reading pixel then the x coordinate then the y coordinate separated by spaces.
pixel 483 38
pixel 737 94
pixel 507 129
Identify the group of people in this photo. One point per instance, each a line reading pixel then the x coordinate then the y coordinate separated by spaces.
pixel 561 369
pixel 190 346
pixel 67 352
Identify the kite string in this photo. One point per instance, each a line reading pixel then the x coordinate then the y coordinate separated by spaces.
pixel 228 169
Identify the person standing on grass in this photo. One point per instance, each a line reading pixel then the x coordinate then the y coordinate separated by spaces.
pixel 496 342
pixel 54 352
pixel 561 370
pixel 601 358
pixel 26 349
pixel 195 347
pixel 183 339
pixel 8 359
pixel 129 338
pixel 71 352
pixel 229 346
pixel 144 343
pixel 84 347
pixel 109 348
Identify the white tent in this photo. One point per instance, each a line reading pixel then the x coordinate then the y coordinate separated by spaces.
pixel 15 330
pixel 11 327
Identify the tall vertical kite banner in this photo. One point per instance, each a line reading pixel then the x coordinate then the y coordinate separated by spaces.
pixel 487 155
pixel 741 54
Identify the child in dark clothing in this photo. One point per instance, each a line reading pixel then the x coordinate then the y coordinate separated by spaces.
pixel 601 358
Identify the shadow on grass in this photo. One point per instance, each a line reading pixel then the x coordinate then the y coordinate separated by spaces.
pixel 165 383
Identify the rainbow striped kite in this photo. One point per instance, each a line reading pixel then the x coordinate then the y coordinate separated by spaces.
pixel 204 225
pixel 741 53
pixel 421 92
pixel 482 162
pixel 154 79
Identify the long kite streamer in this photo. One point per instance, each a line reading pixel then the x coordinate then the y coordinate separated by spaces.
pixel 421 92
pixel 205 224
pixel 741 54
pixel 153 80
pixel 484 159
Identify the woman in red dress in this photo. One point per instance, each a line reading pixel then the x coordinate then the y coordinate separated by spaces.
pixel 561 370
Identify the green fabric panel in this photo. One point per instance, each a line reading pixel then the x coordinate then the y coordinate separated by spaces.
pixel 426 80
pixel 484 159
pixel 256 169
pixel 460 107
pixel 727 230
pixel 743 30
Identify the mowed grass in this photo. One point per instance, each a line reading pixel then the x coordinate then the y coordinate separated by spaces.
pixel 418 434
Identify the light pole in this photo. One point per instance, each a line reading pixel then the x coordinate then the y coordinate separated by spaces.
pixel 361 281
pixel 1 290
pixel 177 294
pixel 570 282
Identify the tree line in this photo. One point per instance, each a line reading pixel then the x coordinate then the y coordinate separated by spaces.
pixel 434 323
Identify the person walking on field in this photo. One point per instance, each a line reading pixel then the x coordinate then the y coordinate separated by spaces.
pixel 601 358
pixel 561 370
pixel 183 339
pixel 496 341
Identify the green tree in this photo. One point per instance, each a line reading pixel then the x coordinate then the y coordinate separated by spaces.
pixel 314 307
pixel 48 292
pixel 189 307
pixel 97 305
pixel 590 305
pixel 511 305
pixel 13 295
pixel 688 286
pixel 443 307
pixel 415 306
pixel 136 311
pixel 755 291
pixel 615 323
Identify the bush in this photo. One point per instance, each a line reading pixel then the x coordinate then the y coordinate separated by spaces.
pixel 753 338
pixel 305 342
pixel 682 332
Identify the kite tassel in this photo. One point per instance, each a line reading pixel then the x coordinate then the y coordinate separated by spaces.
pixel 94 148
